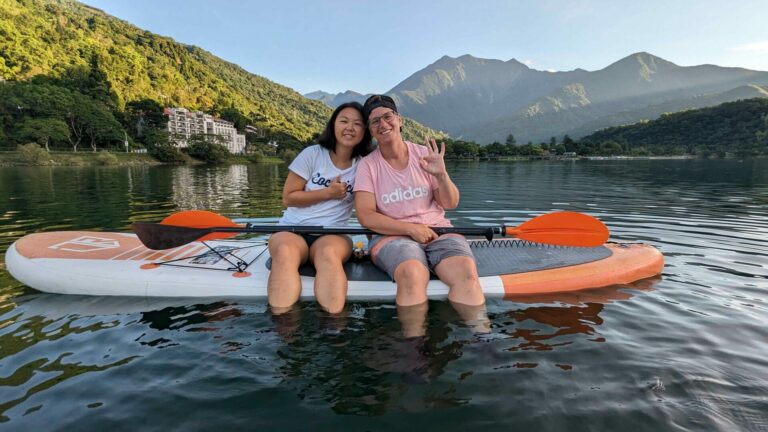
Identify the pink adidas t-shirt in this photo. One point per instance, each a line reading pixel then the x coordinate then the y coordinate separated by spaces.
pixel 405 195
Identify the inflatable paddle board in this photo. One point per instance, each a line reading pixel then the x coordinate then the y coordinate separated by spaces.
pixel 118 264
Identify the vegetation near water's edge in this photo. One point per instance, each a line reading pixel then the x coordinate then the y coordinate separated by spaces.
pixel 739 128
pixel 103 158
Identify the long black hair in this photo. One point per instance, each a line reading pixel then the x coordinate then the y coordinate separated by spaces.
pixel 327 139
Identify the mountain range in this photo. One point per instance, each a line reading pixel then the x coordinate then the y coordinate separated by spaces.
pixel 334 100
pixel 485 100
pixel 470 98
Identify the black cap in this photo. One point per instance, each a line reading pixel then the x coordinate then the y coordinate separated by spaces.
pixel 377 101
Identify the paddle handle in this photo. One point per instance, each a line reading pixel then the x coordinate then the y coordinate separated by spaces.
pixel 487 232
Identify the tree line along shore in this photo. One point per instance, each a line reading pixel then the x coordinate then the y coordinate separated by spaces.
pixel 44 118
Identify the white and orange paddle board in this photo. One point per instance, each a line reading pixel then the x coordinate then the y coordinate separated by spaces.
pixel 117 264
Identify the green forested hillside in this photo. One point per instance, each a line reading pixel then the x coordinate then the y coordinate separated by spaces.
pixel 63 38
pixel 65 44
pixel 739 127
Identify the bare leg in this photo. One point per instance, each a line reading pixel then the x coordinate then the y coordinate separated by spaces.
pixel 412 277
pixel 286 321
pixel 413 319
pixel 288 252
pixel 460 274
pixel 466 294
pixel 328 254
pixel 474 317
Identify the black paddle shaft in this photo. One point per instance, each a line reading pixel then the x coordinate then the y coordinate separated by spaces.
pixel 158 236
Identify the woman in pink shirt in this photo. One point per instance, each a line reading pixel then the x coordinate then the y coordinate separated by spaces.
pixel 401 190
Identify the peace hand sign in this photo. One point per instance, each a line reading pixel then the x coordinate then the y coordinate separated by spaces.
pixel 433 162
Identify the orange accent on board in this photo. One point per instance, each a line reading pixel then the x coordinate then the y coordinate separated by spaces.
pixel 143 255
pixel 241 274
pixel 156 256
pixel 149 266
pixel 179 251
pixel 628 263
pixel 76 245
pixel 97 246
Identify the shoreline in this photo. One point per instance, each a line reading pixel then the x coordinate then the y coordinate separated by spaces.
pixel 577 158
pixel 13 158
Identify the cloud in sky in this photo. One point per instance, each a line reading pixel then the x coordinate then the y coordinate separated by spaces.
pixel 753 48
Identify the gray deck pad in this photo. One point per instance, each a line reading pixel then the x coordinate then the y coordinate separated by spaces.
pixel 502 256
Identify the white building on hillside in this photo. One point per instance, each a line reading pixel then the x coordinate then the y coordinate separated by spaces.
pixel 182 124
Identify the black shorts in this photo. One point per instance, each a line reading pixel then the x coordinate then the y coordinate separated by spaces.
pixel 310 238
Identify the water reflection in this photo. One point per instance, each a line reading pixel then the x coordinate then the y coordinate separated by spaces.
pixel 371 368
pixel 238 190
pixel 210 188
pixel 36 347
pixel 570 360
pixel 563 319
pixel 111 198
pixel 181 317
pixel 359 363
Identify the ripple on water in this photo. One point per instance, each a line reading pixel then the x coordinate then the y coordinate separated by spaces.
pixel 685 350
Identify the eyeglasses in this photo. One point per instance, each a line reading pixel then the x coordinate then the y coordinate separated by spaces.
pixel 388 117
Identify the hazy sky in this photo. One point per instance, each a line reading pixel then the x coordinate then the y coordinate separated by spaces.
pixel 370 46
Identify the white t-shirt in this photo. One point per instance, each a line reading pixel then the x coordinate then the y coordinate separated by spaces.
pixel 314 165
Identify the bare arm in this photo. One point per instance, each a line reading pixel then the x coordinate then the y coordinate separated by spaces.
pixel 369 217
pixel 294 194
pixel 446 194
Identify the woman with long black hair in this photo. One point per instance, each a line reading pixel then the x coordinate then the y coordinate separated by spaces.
pixel 318 191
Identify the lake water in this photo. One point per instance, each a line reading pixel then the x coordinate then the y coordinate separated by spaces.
pixel 685 351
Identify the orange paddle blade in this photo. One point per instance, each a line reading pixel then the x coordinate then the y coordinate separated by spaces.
pixel 201 219
pixel 562 228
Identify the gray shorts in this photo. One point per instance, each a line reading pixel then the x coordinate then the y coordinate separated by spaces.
pixel 401 249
